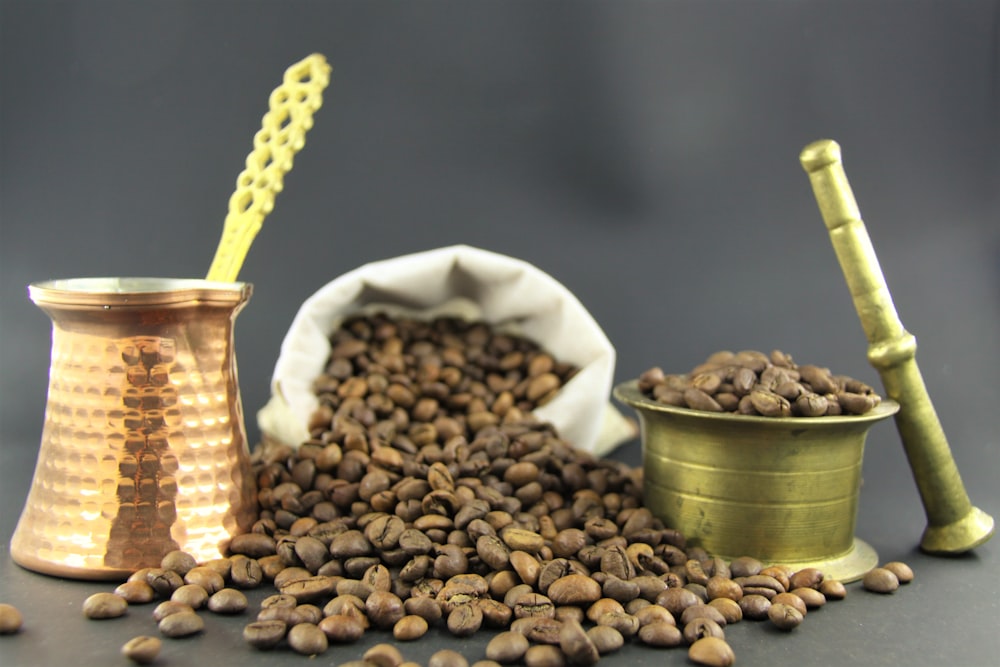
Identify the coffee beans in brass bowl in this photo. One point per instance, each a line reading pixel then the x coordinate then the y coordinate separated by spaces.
pixel 753 454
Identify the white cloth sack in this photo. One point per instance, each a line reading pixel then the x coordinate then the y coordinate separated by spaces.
pixel 510 294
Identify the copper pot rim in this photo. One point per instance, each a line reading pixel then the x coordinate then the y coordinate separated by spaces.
pixel 136 291
pixel 629 394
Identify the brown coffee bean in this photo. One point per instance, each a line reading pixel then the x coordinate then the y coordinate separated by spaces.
pixel 784 617
pixel 384 609
pixel 507 647
pixel 192 595
pixel 575 589
pixel 178 561
pixel 227 601
pixel 626 624
pixel 207 578
pixel 702 627
pixel 712 652
pixel 307 639
pixel 447 658
pixel 136 592
pixel 142 650
pixel 264 634
pixel 833 589
pixel 812 598
pixel 383 655
pixel 661 634
pixel 104 605
pixel 730 609
pixel 342 628
pixel 11 619
pixel 754 607
pixel 539 630
pixel 880 580
pixel 577 645
pixel 745 566
pixel 465 620
pixel 534 605
pixel 182 624
pixel 544 655
pixel 252 545
pixel 791 600
pixel 409 627
pixel 902 571
pixel 606 639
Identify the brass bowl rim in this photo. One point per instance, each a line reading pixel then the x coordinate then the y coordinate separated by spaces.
pixel 628 392
pixel 135 291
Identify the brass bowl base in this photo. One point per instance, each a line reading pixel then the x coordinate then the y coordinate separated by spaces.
pixel 845 568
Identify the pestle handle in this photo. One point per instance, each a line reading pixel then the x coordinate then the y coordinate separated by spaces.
pixel 954 525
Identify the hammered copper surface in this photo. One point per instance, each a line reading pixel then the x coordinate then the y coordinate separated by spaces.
pixel 143 446
pixel 782 490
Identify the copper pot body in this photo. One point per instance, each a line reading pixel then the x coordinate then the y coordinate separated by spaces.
pixel 782 490
pixel 143 447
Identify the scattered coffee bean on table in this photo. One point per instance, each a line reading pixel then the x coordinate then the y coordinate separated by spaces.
pixel 142 650
pixel 11 619
pixel 750 382
pixel 429 495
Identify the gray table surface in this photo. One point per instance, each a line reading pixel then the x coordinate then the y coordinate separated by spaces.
pixel 946 616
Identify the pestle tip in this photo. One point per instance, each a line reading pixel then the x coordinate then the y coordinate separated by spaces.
pixel 819 154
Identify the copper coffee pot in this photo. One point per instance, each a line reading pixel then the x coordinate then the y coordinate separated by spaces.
pixel 144 447
pixel 954 524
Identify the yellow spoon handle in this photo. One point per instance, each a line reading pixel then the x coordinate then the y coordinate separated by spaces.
pixel 282 134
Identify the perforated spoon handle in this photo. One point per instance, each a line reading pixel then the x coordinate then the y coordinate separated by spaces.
pixel 282 134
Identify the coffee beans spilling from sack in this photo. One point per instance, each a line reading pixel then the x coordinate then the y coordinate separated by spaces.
pixel 754 383
pixel 429 496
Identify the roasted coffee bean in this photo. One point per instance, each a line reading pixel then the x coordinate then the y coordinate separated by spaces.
pixel 447 658
pixel 711 652
pixel 577 645
pixel 575 589
pixel 539 630
pixel 205 577
pixel 136 592
pixel 465 619
pixel 245 572
pixel 880 580
pixel 191 595
pixel 626 624
pixel 384 609
pixel 164 582
pixel 812 598
pixel 661 634
pixel 507 647
pixel 182 624
pixel 792 601
pixel 142 650
pixel 253 545
pixel 784 617
pixel 383 655
pixel 178 561
pixel 227 601
pixel 730 609
pixel 307 639
pixel 902 571
pixel 11 619
pixel 104 605
pixel 342 628
pixel 264 634
pixel 544 655
pixel 606 639
pixel 702 627
pixel 833 589
pixel 410 627
pixel 534 605
pixel 754 607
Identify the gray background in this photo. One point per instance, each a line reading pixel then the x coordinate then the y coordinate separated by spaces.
pixel 645 154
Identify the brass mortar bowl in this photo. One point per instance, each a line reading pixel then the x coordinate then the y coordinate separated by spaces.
pixel 781 490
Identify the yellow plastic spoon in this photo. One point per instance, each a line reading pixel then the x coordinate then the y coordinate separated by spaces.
pixel 282 134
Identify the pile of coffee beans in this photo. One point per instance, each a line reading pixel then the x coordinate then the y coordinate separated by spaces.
pixel 753 383
pixel 430 496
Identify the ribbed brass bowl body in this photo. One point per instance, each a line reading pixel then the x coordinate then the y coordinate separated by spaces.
pixel 143 446
pixel 782 490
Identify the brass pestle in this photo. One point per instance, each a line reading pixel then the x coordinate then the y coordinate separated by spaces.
pixel 954 525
